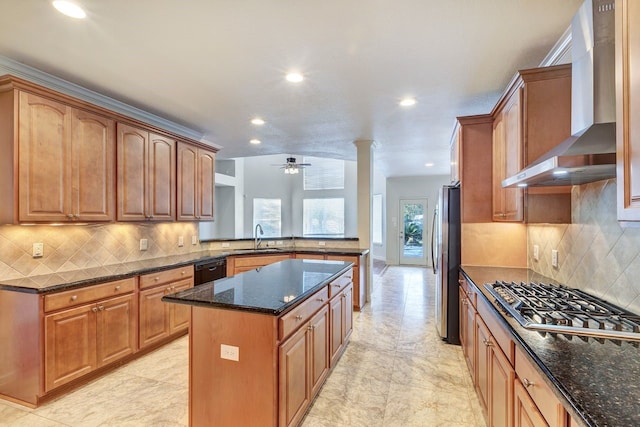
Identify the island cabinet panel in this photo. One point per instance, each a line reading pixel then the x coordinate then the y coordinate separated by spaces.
pixel 159 320
pixel 146 175
pixel 226 392
pixel 340 322
pixel 304 364
pixel 359 272
pixel 628 109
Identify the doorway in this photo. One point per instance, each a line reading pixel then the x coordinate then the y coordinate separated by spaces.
pixel 413 232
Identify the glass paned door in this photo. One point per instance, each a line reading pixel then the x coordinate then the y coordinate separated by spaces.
pixel 413 233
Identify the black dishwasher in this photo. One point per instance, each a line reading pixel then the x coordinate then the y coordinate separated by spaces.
pixel 207 271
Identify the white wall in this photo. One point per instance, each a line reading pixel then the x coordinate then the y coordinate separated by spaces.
pixel 263 180
pixel 379 251
pixel 416 187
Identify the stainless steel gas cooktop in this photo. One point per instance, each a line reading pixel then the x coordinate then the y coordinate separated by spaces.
pixel 557 309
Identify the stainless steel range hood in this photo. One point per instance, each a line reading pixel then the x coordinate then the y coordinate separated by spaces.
pixel 590 153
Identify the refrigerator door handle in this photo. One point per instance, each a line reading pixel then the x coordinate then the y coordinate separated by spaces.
pixel 433 234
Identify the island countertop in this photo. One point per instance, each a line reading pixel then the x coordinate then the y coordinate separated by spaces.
pixel 273 289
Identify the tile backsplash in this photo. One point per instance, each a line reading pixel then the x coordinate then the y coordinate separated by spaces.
pixel 595 253
pixel 72 247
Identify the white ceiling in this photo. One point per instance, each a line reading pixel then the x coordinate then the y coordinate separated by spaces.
pixel 212 65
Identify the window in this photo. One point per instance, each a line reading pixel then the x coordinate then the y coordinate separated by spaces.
pixel 377 219
pixel 323 174
pixel 268 213
pixel 323 217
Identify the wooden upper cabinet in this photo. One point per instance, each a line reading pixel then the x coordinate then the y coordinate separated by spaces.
pixel 66 160
pixel 628 109
pixel 196 174
pixel 146 175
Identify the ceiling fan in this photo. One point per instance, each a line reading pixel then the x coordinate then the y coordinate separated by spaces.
pixel 291 167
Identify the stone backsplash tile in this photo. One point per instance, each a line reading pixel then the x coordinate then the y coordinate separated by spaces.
pixel 595 253
pixel 73 247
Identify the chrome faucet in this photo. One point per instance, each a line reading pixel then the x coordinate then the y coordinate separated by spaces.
pixel 258 239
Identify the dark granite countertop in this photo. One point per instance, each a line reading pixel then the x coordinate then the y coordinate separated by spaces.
pixel 598 382
pixel 272 289
pixel 56 282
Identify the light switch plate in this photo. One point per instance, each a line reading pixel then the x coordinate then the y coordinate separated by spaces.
pixel 322 243
pixel 229 352
pixel 554 258
pixel 180 241
pixel 536 252
pixel 144 244
pixel 38 250
pixel 194 240
pixel 225 245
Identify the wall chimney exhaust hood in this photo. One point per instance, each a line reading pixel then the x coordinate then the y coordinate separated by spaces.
pixel 590 153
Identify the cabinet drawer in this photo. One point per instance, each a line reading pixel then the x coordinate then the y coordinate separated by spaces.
pixel 91 293
pixel 258 261
pixel 340 283
pixel 501 335
pixel 547 403
pixel 166 276
pixel 296 317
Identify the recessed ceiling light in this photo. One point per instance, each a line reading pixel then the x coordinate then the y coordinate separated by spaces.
pixel 255 141
pixel 295 77
pixel 407 102
pixel 428 164
pixel 69 9
pixel 257 121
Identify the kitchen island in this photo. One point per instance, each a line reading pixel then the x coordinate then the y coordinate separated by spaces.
pixel 262 342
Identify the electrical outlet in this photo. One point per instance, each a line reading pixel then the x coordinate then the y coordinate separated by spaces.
pixel 144 244
pixel 225 245
pixel 194 240
pixel 270 243
pixel 279 242
pixel 229 352
pixel 536 252
pixel 554 258
pixel 180 241
pixel 38 250
pixel 322 243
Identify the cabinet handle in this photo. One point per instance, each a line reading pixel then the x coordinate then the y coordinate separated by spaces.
pixel 156 279
pixel 487 343
pixel 337 285
pixel 118 288
pixel 527 383
pixel 74 297
pixel 101 307
pixel 70 216
pixel 298 317
pixel 321 299
pixel 183 272
pixel 464 301
pixel 94 309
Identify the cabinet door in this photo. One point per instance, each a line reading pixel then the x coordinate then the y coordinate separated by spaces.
pixel 206 187
pixel 154 318
pixel 482 339
pixel 295 384
pixel 469 347
pixel 116 329
pixel 525 412
pixel 93 164
pixel 347 313
pixel 70 345
pixel 132 145
pixel 187 181
pixel 44 159
pixel 628 109
pixel 335 328
pixel 179 314
pixel 501 382
pixel 319 340
pixel 162 178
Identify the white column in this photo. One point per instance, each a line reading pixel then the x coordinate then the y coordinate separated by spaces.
pixel 365 189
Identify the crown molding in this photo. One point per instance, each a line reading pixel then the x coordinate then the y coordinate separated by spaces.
pixel 26 72
pixel 558 53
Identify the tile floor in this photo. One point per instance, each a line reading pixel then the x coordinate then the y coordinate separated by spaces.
pixel 395 372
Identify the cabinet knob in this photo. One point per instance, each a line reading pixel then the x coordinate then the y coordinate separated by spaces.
pixel 337 285
pixel 461 281
pixel 118 288
pixel 101 307
pixel 70 216
pixel 321 299
pixel 94 309
pixel 183 272
pixel 74 297
pixel 527 383
pixel 487 343
pixel 464 301
pixel 157 278
pixel 168 289
pixel 298 317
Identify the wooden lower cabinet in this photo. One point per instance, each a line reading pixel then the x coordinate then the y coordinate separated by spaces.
pixel 159 320
pixel 526 414
pixel 341 322
pixel 467 313
pixel 304 364
pixel 82 339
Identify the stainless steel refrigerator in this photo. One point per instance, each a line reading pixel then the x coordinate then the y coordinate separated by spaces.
pixel 445 257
